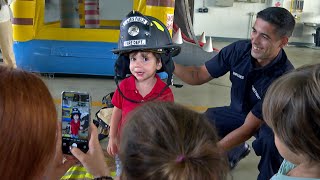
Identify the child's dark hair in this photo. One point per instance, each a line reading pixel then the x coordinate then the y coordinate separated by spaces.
pixel 163 140
pixel 279 17
pixel 292 108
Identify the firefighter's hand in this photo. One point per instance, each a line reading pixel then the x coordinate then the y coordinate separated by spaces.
pixel 112 146
pixel 61 163
pixel 94 160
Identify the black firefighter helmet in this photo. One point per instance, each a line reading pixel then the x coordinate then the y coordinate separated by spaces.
pixel 139 32
pixel 75 111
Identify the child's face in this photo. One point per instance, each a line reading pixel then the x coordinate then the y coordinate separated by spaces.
pixel 286 153
pixel 143 65
pixel 76 117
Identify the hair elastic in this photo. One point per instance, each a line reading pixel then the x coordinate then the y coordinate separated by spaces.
pixel 180 158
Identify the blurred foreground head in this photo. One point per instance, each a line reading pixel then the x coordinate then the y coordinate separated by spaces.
pixel 28 125
pixel 163 140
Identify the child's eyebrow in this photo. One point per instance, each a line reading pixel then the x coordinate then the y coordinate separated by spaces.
pixel 132 55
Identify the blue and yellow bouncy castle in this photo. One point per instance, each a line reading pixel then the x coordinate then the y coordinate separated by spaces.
pixel 75 36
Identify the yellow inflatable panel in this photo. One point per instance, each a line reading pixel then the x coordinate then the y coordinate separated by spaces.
pixel 22 33
pixel 18 5
pixel 28 18
pixel 164 14
pixel 74 34
pixel 140 5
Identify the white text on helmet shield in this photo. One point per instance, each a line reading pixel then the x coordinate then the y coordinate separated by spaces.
pixel 137 42
pixel 135 19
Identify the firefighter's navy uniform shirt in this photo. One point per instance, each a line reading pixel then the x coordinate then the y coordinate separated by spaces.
pixel 249 83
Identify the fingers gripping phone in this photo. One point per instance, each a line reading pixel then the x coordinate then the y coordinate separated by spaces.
pixel 75 118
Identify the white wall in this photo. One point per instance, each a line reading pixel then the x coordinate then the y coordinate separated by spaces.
pixel 234 22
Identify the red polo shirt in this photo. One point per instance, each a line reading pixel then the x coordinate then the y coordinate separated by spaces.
pixel 128 88
pixel 75 127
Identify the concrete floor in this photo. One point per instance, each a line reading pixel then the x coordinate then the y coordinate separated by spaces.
pixel 214 93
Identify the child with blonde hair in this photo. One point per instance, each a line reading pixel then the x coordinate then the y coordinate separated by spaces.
pixel 164 140
pixel 292 109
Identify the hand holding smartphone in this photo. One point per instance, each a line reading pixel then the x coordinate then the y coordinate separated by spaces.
pixel 75 118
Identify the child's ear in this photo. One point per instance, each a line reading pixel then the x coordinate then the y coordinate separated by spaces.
pixel 159 65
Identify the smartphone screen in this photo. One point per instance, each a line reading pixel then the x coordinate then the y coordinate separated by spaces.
pixel 75 120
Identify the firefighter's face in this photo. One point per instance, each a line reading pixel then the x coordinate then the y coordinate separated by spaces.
pixel 266 44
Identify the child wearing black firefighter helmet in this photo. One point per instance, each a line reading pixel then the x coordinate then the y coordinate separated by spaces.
pixel 145 47
pixel 75 123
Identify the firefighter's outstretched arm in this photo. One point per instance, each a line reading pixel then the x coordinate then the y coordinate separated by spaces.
pixel 192 75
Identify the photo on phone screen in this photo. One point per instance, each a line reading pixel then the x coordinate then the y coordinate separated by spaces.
pixel 75 120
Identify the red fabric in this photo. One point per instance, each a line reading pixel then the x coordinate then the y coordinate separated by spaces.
pixel 75 127
pixel 128 88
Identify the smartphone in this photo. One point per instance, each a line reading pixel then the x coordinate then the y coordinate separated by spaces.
pixel 76 107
